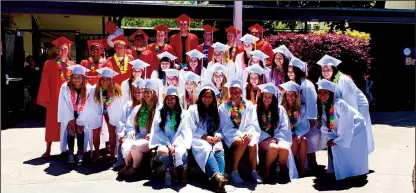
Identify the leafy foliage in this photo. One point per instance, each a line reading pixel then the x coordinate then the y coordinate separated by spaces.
pixel 150 22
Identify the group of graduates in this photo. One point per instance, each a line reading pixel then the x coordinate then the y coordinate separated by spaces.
pixel 206 98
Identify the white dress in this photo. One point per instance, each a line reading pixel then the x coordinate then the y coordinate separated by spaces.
pixel 350 154
pixel 125 89
pixel 182 138
pixel 66 114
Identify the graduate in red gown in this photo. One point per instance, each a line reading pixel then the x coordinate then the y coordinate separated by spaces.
pixel 55 72
pixel 150 55
pixel 140 40
pixel 257 30
pixel 234 49
pixel 205 47
pixel 95 61
pixel 184 41
pixel 120 61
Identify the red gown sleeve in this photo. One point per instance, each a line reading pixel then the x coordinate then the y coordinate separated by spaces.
pixel 148 57
pixel 44 97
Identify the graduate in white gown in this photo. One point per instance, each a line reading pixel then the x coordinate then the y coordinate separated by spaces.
pixel 280 63
pixel 72 98
pixel 346 132
pixel 217 74
pixel 240 129
pixel 189 95
pixel 207 148
pixel 172 135
pixel 167 61
pixel 259 58
pixel 299 124
pixel 173 78
pixel 195 63
pixel 138 71
pixel 241 60
pixel 349 92
pixel 137 129
pixel 106 104
pixel 220 56
pixel 275 137
pixel 256 76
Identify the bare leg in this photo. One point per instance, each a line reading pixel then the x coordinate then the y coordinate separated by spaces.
pixel 240 147
pixel 283 154
pixel 272 152
pixel 112 136
pixel 303 150
pixel 96 141
pixel 48 150
pixel 252 154
pixel 137 153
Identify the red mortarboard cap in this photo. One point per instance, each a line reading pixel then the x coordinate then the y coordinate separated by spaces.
pixel 99 42
pixel 256 28
pixel 62 41
pixel 139 31
pixel 209 28
pixel 162 27
pixel 110 27
pixel 120 38
pixel 183 18
pixel 232 30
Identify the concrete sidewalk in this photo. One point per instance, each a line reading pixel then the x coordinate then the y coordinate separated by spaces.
pixel 22 170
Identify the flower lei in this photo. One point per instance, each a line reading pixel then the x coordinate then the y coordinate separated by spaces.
pixel 188 102
pixel 144 115
pixel 74 102
pixel 157 48
pixel 331 116
pixel 336 77
pixel 236 112
pixel 172 122
pixel 266 121
pixel 91 62
pixel 278 76
pixel 293 118
pixel 123 69
pixel 61 71
pixel 106 100
pixel 252 98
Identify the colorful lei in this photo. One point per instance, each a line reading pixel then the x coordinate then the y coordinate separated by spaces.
pixel 106 99
pixel 74 102
pixel 236 112
pixel 336 79
pixel 331 116
pixel 91 62
pixel 188 101
pixel 254 99
pixel 266 121
pixel 278 76
pixel 144 115
pixel 123 69
pixel 61 65
pixel 157 48
pixel 172 122
pixel 293 118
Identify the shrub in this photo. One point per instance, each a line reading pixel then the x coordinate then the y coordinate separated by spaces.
pixel 354 52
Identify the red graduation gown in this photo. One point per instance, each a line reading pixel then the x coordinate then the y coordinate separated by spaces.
pixel 50 86
pixel 266 48
pixel 92 75
pixel 150 56
pixel 111 63
pixel 176 43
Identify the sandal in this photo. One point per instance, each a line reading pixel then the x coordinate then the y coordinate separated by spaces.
pixel 130 171
pixel 221 182
pixel 123 170
pixel 46 155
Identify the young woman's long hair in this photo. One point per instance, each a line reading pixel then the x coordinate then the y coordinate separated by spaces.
pixel 224 59
pixel 299 74
pixel 152 107
pixel 194 96
pixel 296 105
pixel 249 86
pixel 133 98
pixel 335 71
pixel 113 89
pixel 212 109
pixel 251 61
pixel 327 107
pixel 224 90
pixel 285 65
pixel 274 108
pixel 161 73
pixel 164 114
pixel 246 58
pixel 83 93
pixel 198 67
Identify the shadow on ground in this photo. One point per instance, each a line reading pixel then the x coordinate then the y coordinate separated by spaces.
pixel 327 182
pixel 395 119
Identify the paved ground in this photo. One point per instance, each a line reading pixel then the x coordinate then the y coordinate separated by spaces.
pixel 22 171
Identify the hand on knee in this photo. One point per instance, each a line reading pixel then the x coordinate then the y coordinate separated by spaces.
pixel 163 151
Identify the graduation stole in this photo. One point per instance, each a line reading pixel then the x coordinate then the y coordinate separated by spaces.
pixel 266 121
pixel 278 76
pixel 293 118
pixel 106 99
pixel 61 65
pixel 172 122
pixel 252 94
pixel 236 111
pixel 157 48
pixel 123 69
pixel 331 117
pixel 336 79
pixel 74 102
pixel 188 101
pixel 91 63
pixel 144 115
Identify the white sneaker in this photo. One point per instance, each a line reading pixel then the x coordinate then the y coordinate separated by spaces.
pixel 235 177
pixel 256 177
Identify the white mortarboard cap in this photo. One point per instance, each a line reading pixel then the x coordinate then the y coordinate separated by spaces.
pixel 78 69
pixel 191 76
pixel 248 38
pixel 329 60
pixel 219 47
pixel 107 72
pixel 255 69
pixel 195 54
pixel 283 50
pixel 171 72
pixel 269 88
pixel 327 85
pixel 298 63
pixel 291 86
pixel 210 86
pixel 171 90
pixel 150 84
pixel 217 67
pixel 259 55
pixel 234 82
pixel 138 83
pixel 166 54
pixel 139 64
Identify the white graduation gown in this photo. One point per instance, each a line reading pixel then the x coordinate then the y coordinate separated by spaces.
pixel 182 138
pixel 125 89
pixel 283 135
pixel 302 125
pixel 351 94
pixel 239 65
pixel 350 154
pixel 66 114
pixel 155 76
pixel 200 147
